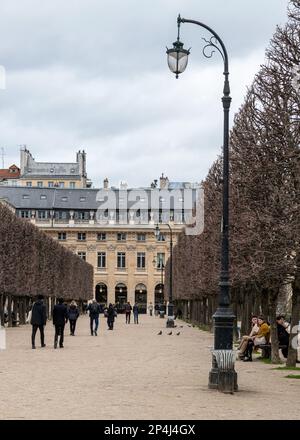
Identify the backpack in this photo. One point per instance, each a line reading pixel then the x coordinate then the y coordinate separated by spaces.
pixel 94 309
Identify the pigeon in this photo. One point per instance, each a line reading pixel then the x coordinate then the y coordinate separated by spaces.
pixel 177 334
pixel 169 333
pixel 189 326
pixel 159 333
pixel 181 326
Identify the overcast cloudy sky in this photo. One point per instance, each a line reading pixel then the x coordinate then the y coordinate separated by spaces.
pixel 92 74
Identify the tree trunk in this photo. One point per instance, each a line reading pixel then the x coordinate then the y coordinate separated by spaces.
pixel 2 309
pixel 9 310
pixel 293 343
pixel 273 295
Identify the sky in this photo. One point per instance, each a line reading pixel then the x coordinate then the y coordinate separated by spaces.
pixel 93 75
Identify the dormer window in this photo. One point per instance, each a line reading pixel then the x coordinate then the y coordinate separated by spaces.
pixel 82 199
pixel 51 170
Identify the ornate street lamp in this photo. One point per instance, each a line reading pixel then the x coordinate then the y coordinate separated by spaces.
pixel 170 320
pixel 225 380
pixel 177 56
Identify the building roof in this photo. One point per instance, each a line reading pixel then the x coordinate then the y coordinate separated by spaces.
pixel 53 170
pixel 77 199
pixel 13 172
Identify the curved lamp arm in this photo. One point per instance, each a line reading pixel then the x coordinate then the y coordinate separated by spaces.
pixel 212 44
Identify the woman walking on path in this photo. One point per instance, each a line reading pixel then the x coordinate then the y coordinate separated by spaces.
pixel 73 313
pixel 110 317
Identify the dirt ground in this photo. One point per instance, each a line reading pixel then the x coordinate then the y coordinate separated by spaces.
pixel 133 373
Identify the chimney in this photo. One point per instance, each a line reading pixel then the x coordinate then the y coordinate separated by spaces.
pixel 163 182
pixel 105 183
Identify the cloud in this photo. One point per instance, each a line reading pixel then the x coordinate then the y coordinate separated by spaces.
pixel 92 74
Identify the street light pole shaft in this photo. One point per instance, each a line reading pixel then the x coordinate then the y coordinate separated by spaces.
pixel 223 317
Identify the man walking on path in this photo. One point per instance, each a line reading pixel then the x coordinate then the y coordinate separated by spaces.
pixel 94 309
pixel 60 317
pixel 136 313
pixel 128 309
pixel 38 320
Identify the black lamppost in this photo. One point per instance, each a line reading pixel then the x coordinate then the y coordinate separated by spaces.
pixel 223 317
pixel 170 320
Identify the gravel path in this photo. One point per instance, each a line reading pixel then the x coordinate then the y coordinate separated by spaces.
pixel 132 373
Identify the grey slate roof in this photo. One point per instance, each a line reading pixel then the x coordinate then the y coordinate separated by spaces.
pixel 54 170
pixel 64 199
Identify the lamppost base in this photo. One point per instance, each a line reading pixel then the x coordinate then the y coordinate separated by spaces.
pixel 170 323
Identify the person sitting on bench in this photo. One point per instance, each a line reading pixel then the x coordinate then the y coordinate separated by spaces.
pixel 261 338
pixel 283 336
pixel 246 338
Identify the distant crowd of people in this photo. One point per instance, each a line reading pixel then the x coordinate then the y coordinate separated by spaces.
pixel 64 313
pixel 260 336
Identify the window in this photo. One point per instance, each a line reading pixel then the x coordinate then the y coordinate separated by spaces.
pixel 62 236
pixel 25 196
pixel 141 237
pixel 81 236
pixel 72 185
pixel 50 184
pixel 42 215
pixel 160 260
pixel 141 260
pixel 61 184
pixel 172 215
pixel 25 214
pixel 82 199
pixel 101 260
pixel 121 260
pixel 29 184
pixel 43 197
pixel 82 215
pixel 161 237
pixel 64 199
pixel 101 236
pixel 82 255
pixel 61 215
pixel 40 184
pixel 121 236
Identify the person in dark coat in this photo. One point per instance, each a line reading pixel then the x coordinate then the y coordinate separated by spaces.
pixel 94 309
pixel 111 314
pixel 136 313
pixel 128 309
pixel 60 317
pixel 38 320
pixel 73 314
pixel 283 335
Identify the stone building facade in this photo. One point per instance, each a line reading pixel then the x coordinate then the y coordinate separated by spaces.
pixel 118 241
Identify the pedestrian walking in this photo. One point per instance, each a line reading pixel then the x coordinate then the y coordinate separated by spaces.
pixel 94 309
pixel 60 318
pixel 111 314
pixel 73 314
pixel 38 320
pixel 128 309
pixel 150 308
pixel 136 313
pixel 156 309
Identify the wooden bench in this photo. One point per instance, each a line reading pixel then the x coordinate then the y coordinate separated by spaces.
pixel 266 350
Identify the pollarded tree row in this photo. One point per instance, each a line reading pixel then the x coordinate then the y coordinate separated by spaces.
pixel 32 263
pixel 264 197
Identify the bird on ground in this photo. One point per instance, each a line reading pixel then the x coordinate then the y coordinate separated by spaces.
pixel 181 326
pixel 169 333
pixel 189 326
pixel 159 333
pixel 177 334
